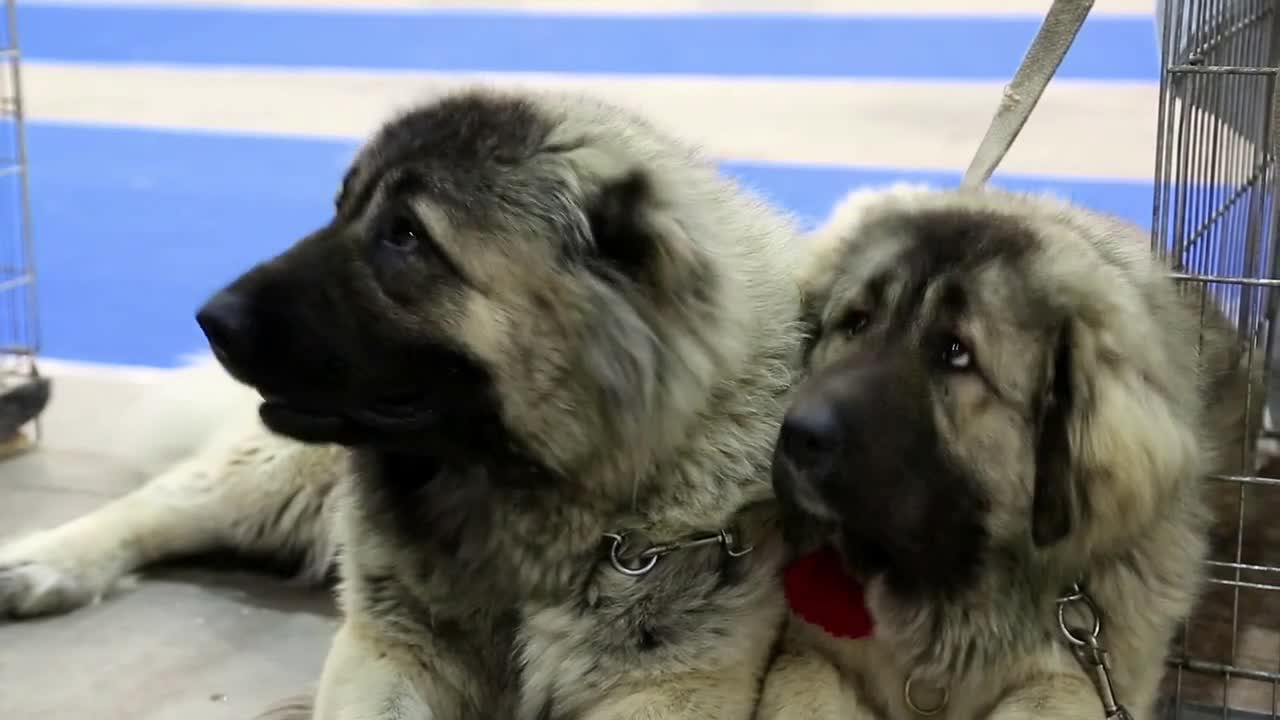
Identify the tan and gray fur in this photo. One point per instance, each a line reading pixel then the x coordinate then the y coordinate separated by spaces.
pixel 1008 394
pixel 533 319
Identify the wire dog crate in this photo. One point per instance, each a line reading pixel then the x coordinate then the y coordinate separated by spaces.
pixel 1216 209
pixel 23 392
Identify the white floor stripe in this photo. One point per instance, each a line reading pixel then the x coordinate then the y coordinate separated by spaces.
pixel 872 7
pixel 1080 129
pixel 57 368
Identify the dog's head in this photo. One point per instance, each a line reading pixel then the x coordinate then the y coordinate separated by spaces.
pixel 985 383
pixel 502 272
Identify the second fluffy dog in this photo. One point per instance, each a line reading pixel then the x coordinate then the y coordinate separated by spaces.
pixel 1009 397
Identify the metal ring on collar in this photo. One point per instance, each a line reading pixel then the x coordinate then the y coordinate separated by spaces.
pixel 727 540
pixel 927 712
pixel 1078 596
pixel 648 562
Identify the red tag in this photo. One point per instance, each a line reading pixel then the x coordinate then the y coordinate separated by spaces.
pixel 820 591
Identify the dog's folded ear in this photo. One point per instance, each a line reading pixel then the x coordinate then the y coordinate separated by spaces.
pixel 1113 439
pixel 619 227
pixel 1052 504
pixel 636 235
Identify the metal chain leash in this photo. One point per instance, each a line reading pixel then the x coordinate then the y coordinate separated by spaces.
pixel 1089 650
pixel 647 559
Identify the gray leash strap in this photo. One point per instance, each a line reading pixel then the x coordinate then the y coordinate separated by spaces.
pixel 1088 649
pixel 1051 43
pixel 1058 31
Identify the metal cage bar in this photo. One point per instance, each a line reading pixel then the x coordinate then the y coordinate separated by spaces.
pixel 1215 217
pixel 23 393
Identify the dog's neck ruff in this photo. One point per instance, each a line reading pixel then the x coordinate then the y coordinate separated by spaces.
pixel 820 591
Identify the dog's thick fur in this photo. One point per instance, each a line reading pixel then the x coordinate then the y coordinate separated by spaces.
pixel 1008 395
pixel 533 320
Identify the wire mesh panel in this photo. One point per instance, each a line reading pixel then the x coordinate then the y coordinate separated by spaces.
pixel 1215 218
pixel 22 393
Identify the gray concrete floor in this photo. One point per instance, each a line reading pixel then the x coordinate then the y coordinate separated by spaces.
pixel 181 643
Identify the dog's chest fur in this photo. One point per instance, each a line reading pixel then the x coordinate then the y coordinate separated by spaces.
pixel 875 678
pixel 511 576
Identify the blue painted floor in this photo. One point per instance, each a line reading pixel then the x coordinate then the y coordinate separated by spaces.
pixel 959 48
pixel 136 227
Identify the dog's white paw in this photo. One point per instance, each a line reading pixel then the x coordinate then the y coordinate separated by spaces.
pixel 40 577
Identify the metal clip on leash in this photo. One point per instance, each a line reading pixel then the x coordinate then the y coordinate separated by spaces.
pixel 1089 650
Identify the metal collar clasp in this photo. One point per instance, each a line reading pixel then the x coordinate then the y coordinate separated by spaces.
pixel 644 561
pixel 1087 645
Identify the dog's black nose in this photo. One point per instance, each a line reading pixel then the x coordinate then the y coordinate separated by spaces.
pixel 225 321
pixel 811 433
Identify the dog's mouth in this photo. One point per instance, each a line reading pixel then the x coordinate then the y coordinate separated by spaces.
pixel 865 557
pixel 345 424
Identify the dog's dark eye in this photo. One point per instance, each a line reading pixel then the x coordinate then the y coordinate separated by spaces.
pixel 401 232
pixel 956 355
pixel 853 323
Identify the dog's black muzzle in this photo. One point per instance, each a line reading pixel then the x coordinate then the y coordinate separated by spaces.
pixel 228 323
pixel 859 448
pixel 843 436
pixel 306 333
pixel 292 329
pixel 278 326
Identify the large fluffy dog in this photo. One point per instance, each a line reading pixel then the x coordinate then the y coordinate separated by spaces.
pixel 1009 396
pixel 533 323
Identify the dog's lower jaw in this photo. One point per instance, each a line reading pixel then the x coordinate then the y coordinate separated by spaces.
pixel 305 426
pixel 408 430
pixel 864 558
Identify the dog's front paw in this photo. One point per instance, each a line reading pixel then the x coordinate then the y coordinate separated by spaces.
pixel 40 576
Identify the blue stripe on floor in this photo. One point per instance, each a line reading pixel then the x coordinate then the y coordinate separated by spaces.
pixel 733 45
pixel 134 228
